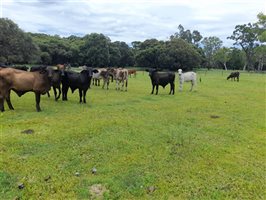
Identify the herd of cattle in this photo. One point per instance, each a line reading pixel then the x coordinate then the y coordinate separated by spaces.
pixel 40 79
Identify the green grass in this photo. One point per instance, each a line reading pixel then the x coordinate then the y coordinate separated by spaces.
pixel 137 140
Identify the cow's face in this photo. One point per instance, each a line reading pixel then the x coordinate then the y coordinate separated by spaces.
pixel 50 72
pixel 151 71
pixel 180 71
pixel 61 68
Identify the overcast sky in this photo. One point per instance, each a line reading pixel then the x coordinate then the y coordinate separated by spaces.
pixel 132 20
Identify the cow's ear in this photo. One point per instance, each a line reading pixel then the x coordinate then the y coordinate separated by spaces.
pixel 95 71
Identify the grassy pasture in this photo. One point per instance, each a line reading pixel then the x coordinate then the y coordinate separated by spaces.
pixel 206 144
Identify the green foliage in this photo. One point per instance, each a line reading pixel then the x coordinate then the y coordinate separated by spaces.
pixel 246 36
pixel 210 46
pixel 192 38
pixel 16 46
pixel 237 59
pixel 96 50
pixel 222 56
pixel 172 54
pixel 261 27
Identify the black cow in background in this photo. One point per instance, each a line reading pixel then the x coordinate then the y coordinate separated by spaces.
pixel 75 80
pixel 162 78
pixel 234 75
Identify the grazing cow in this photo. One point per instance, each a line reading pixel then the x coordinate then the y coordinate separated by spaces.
pixel 162 78
pixel 22 82
pixel 234 75
pixel 187 77
pixel 121 76
pixel 79 81
pixel 132 71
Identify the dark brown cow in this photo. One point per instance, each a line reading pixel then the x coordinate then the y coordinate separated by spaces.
pixel 22 82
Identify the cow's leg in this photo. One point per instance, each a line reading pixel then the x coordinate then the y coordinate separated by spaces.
pixel 59 89
pixel 55 93
pixel 108 84
pixel 172 88
pixel 180 86
pixel 192 84
pixel 104 82
pixel 98 82
pixel 64 96
pixel 38 99
pixel 123 83
pixel 116 85
pixel 84 96
pixel 126 85
pixel 157 88
pixel 238 79
pixel 48 94
pixel 80 95
pixel 9 101
pixel 152 88
pixel 2 108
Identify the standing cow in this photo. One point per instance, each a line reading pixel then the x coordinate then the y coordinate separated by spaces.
pixel 121 76
pixel 22 82
pixel 162 78
pixel 80 81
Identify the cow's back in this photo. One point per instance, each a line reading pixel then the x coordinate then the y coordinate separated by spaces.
pixel 19 80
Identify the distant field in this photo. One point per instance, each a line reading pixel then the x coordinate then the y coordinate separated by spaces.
pixel 206 144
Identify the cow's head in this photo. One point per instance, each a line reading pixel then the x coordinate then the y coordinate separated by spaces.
pixel 50 72
pixel 89 71
pixel 179 71
pixel 151 71
pixel 62 69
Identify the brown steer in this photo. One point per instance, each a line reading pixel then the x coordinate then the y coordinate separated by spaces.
pixel 21 82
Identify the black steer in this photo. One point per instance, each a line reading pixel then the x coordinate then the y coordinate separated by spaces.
pixel 74 80
pixel 234 75
pixel 162 78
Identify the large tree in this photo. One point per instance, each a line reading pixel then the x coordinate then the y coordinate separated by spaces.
pixel 193 38
pixel 210 46
pixel 96 50
pixel 261 27
pixel 246 37
pixel 16 46
pixel 222 56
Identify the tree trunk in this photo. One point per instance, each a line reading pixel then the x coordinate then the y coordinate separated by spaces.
pixel 225 66
pixel 244 68
pixel 260 66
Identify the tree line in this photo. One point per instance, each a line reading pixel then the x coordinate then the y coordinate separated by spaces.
pixel 184 49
